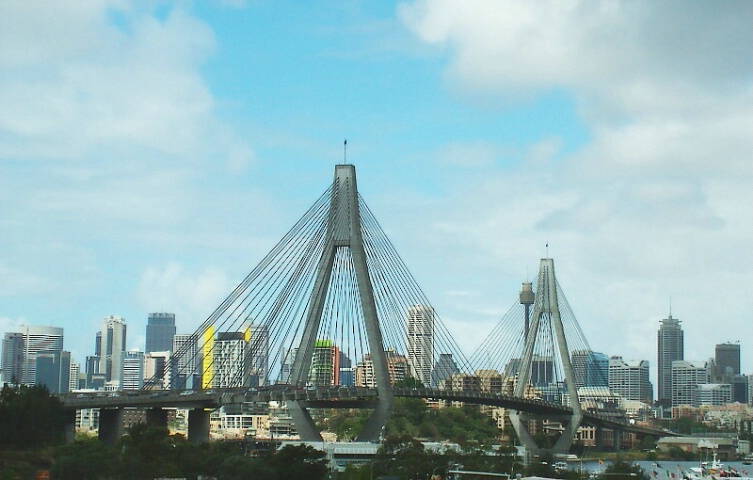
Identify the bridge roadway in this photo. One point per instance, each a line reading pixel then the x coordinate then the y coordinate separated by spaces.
pixel 324 397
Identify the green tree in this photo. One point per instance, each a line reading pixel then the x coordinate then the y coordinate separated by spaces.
pixel 30 417
pixel 622 470
pixel 299 461
pixel 85 459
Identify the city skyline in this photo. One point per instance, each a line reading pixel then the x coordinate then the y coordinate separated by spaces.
pixel 152 155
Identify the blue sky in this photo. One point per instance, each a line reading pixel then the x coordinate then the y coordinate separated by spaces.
pixel 151 153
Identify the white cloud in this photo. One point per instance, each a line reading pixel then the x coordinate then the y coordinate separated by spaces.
pixel 99 77
pixel 658 203
pixel 191 295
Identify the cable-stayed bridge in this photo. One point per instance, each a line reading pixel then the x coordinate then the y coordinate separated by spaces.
pixel 332 318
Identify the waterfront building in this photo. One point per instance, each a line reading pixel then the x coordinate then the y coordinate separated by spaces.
pixel 160 332
pixel 420 342
pixel 714 394
pixel 686 376
pixel 20 351
pixel 630 379
pixel 112 347
pixel 670 348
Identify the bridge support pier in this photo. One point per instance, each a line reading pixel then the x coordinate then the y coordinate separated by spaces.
pixel 599 438
pixel 343 231
pixel 617 439
pixel 70 425
pixel 304 424
pixel 156 417
pixel 110 425
pixel 546 308
pixel 198 425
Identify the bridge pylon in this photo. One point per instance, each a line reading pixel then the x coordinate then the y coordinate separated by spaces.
pixel 546 309
pixel 343 232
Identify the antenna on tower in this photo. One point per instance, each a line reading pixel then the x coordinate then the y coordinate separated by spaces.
pixel 345 151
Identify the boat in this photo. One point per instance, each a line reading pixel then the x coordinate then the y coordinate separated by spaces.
pixel 710 471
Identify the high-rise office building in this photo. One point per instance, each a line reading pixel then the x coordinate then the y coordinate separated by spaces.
pixel 443 369
pixel 420 342
pixel 670 348
pixel 578 360
pixel 726 361
pixel 259 355
pixel 597 370
pixel 591 369
pixel 20 351
pixel 229 353
pixel 13 356
pixel 325 364
pixel 630 379
pixel 160 330
pixel 686 376
pixel 714 394
pixel 186 362
pixel 75 377
pixel 53 370
pixel 112 347
pixel 287 357
pixel 155 370
pixel 347 372
pixel 132 370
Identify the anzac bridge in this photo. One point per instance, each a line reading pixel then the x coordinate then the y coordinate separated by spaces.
pixel 333 301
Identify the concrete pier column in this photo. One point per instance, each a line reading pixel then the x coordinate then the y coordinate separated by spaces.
pixel 198 425
pixel 599 438
pixel 156 417
pixel 110 425
pixel 70 426
pixel 617 439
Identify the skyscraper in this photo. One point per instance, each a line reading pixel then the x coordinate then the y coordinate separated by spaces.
pixel 186 362
pixel 287 357
pixel 686 376
pixel 630 379
pixel 259 354
pixel 229 354
pixel 160 330
pixel 13 355
pixel 325 364
pixel 112 347
pixel 132 370
pixel 53 370
pixel 420 342
pixel 444 369
pixel 670 348
pixel 597 370
pixel 726 361
pixel 20 351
